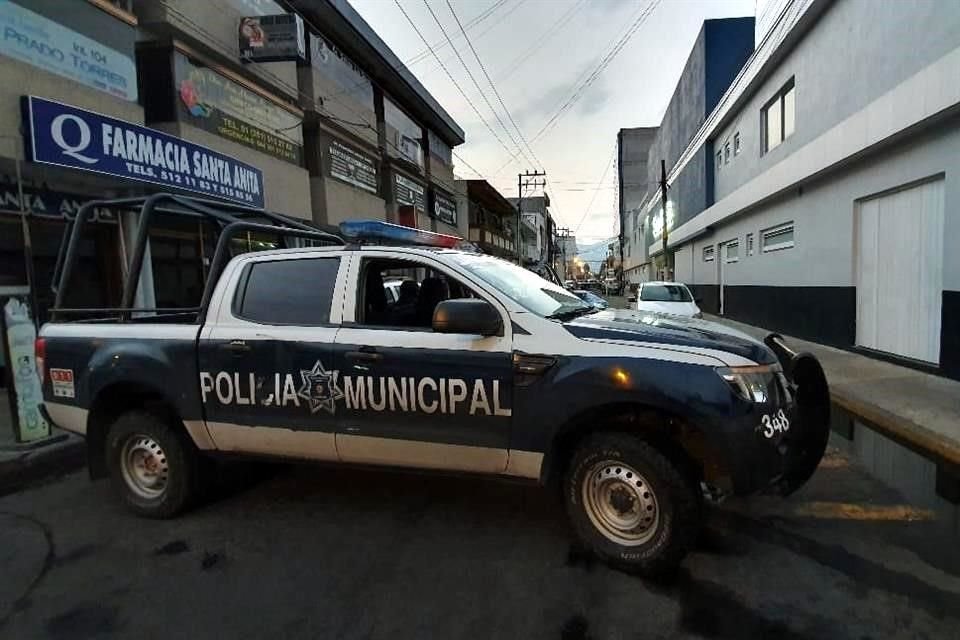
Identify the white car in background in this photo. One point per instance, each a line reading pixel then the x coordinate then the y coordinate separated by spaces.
pixel 667 297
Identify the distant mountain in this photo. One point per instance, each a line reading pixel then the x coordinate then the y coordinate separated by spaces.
pixel 593 253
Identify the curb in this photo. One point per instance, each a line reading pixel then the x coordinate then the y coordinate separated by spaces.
pixel 931 445
pixel 22 466
pixel 927 443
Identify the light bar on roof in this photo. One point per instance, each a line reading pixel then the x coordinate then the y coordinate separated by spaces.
pixel 375 230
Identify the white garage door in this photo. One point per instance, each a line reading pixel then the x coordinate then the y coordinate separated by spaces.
pixel 900 272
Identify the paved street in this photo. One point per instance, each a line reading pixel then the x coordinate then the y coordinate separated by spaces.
pixel 308 552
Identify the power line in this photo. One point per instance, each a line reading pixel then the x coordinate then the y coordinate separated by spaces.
pixel 581 86
pixel 452 79
pixel 601 67
pixel 492 85
pixel 439 44
pixel 474 80
pixel 599 182
pixel 487 30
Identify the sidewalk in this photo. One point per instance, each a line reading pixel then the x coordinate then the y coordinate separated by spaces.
pixel 919 410
pixel 22 464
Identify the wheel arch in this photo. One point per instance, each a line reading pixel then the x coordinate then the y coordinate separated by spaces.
pixel 112 401
pixel 675 436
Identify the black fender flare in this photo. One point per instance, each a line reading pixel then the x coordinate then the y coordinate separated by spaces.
pixel 809 442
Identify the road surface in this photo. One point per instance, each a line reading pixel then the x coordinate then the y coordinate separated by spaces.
pixel 307 552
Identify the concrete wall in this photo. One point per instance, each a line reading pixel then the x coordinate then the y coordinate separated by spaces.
pixel 717 56
pixel 335 202
pixel 823 217
pixel 857 51
pixel 316 86
pixel 18 78
pixel 633 153
pixel 213 25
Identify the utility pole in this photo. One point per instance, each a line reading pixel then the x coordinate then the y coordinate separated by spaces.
pixel 663 204
pixel 525 179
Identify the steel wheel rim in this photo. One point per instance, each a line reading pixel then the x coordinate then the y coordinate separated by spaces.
pixel 143 464
pixel 620 503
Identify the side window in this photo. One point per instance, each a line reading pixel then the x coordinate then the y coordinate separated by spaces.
pixel 419 289
pixel 288 292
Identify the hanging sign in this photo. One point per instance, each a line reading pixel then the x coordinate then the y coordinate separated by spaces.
pixel 272 38
pixel 409 193
pixel 444 207
pixel 351 167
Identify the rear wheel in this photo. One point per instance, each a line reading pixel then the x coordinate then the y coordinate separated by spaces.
pixel 631 505
pixel 154 468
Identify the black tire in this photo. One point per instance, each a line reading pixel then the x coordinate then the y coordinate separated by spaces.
pixel 622 462
pixel 178 454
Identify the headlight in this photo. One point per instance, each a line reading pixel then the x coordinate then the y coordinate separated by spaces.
pixel 759 383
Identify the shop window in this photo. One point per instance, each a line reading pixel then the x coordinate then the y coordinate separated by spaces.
pixel 778 117
pixel 403 134
pixel 439 149
pixel 777 238
pixel 288 292
pixel 708 253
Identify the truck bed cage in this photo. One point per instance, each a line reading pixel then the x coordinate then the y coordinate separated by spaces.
pixel 232 219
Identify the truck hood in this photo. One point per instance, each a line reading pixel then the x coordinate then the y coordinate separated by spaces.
pixel 670 330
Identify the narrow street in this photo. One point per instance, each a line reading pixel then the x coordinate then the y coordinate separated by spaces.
pixel 307 552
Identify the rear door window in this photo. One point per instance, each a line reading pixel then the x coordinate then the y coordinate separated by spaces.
pixel 288 292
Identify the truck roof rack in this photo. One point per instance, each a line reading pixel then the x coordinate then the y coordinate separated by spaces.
pixel 232 219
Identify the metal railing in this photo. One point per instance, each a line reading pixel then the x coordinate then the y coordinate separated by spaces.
pixel 233 219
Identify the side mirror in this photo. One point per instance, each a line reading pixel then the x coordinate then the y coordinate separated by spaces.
pixel 467 315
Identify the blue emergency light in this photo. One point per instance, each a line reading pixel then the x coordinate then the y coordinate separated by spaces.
pixel 377 231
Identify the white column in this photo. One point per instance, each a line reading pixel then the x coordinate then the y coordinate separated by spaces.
pixel 145 297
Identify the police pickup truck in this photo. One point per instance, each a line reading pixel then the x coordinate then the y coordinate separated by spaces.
pixel 483 367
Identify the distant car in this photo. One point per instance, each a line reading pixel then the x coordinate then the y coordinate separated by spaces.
pixel 591 298
pixel 667 297
pixel 569 284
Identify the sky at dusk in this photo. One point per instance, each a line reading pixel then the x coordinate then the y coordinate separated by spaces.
pixel 537 52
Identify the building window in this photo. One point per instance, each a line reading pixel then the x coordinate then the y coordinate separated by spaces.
pixel 731 251
pixel 708 253
pixel 749 244
pixel 719 160
pixel 777 238
pixel 778 117
pixel 726 153
pixel 736 143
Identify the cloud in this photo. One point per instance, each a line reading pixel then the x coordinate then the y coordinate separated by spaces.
pixel 593 101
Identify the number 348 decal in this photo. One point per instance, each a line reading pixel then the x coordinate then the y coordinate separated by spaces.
pixel 777 423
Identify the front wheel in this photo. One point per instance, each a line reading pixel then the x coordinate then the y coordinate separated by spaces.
pixel 631 505
pixel 154 468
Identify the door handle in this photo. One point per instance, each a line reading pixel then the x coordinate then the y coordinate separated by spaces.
pixel 236 346
pixel 363 356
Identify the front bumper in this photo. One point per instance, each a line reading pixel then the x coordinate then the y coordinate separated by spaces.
pixel 777 447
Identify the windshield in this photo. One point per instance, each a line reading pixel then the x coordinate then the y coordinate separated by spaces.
pixel 665 293
pixel 590 297
pixel 523 287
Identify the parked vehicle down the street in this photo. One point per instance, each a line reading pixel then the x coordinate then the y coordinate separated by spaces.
pixel 667 297
pixel 591 298
pixel 298 354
